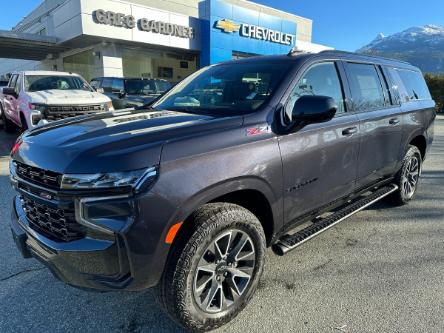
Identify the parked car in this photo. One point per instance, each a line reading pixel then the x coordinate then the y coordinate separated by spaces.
pixel 130 92
pixel 35 97
pixel 3 84
pixel 186 195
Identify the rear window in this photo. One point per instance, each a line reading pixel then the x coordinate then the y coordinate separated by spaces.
pixel 414 84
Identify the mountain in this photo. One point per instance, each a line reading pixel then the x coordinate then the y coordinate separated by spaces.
pixel 421 46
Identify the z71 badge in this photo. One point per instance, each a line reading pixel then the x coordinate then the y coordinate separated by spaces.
pixel 258 130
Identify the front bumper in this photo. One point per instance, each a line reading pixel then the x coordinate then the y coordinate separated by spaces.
pixel 87 263
pixel 130 259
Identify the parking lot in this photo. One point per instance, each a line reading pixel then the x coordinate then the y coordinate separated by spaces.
pixel 380 271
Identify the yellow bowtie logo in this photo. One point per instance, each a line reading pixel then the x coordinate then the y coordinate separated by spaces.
pixel 227 26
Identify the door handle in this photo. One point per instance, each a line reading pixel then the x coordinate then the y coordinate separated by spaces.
pixel 350 131
pixel 394 121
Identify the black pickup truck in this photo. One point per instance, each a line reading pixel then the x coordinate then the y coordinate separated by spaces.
pixel 185 196
pixel 130 92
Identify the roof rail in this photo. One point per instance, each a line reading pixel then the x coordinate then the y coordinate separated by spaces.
pixel 295 51
pixel 365 55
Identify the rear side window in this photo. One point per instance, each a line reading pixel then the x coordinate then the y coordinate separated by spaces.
pixel 366 87
pixel 107 84
pixel 414 83
pixel 319 80
pixel 118 85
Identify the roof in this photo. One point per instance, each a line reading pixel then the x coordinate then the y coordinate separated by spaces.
pixel 328 54
pixel 48 73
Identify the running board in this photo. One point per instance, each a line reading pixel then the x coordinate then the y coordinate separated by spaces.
pixel 289 242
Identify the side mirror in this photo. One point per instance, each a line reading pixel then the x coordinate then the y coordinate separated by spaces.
pixel 100 90
pixel 121 93
pixel 10 91
pixel 314 109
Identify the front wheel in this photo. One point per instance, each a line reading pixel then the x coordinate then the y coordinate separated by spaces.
pixel 215 269
pixel 408 177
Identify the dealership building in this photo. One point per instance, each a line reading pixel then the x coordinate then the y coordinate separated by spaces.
pixel 167 39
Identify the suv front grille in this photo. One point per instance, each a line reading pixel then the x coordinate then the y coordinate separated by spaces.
pixel 57 112
pixel 38 176
pixel 56 224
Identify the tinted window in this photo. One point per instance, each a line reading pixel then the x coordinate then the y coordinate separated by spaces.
pixel 392 81
pixel 366 87
pixel 140 87
pixel 107 85
pixel 117 85
pixel 228 89
pixel 162 86
pixel 321 80
pixel 95 83
pixel 13 81
pixel 414 83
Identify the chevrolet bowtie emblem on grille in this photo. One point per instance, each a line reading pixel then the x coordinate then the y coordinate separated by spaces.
pixel 227 26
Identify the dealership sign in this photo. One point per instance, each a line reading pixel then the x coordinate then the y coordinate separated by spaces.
pixel 129 22
pixel 256 32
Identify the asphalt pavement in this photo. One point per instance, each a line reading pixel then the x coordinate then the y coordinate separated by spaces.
pixel 380 271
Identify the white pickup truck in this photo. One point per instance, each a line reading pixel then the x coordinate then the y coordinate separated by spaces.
pixel 33 98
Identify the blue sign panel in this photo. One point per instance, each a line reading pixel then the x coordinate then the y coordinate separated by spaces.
pixel 229 28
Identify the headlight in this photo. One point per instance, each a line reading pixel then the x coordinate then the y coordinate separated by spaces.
pixel 108 106
pixel 137 180
pixel 37 107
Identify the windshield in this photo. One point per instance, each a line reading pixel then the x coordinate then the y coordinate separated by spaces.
pixel 232 88
pixel 54 82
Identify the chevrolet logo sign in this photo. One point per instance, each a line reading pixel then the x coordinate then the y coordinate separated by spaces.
pixel 227 26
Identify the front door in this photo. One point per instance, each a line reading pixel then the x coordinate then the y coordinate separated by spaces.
pixel 11 102
pixel 319 160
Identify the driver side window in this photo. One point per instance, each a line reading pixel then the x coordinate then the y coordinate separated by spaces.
pixel 319 80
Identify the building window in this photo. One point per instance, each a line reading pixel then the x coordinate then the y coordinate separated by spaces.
pixel 81 63
pixel 156 64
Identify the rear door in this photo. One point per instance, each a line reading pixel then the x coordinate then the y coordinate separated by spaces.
pixel 319 160
pixel 380 122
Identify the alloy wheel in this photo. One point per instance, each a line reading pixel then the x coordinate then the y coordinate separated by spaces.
pixel 410 177
pixel 224 271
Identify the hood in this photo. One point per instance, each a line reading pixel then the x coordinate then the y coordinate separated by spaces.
pixel 112 141
pixel 67 97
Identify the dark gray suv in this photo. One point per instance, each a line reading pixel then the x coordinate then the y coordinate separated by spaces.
pixel 185 196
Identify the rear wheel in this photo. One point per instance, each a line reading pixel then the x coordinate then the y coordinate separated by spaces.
pixel 8 125
pixel 215 269
pixel 408 177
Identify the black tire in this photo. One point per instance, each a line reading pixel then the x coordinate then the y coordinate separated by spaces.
pixel 24 126
pixel 407 185
pixel 8 125
pixel 176 292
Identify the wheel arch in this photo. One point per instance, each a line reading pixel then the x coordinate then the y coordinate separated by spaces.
pixel 420 142
pixel 251 193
